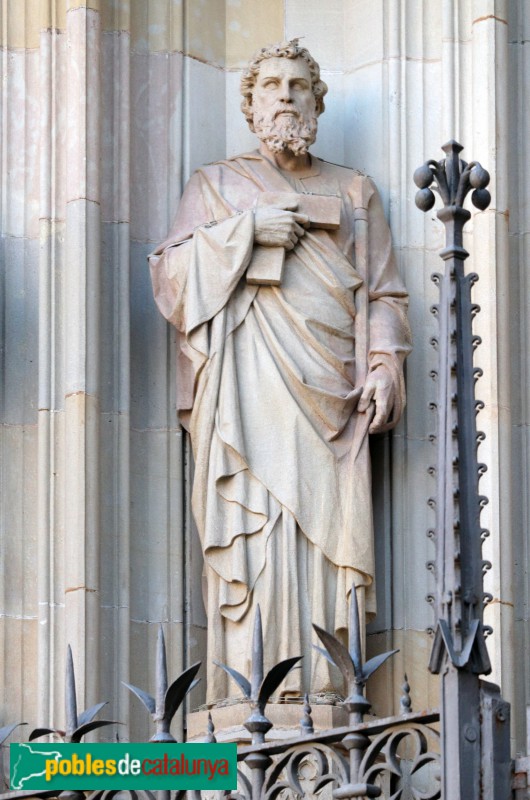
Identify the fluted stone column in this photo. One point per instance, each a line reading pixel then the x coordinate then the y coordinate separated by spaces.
pixel 92 473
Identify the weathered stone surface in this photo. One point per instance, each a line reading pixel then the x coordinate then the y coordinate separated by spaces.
pixel 156 137
pixel 249 26
pixel 83 105
pixel 20 141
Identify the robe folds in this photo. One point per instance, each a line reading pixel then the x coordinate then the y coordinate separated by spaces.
pixel 268 382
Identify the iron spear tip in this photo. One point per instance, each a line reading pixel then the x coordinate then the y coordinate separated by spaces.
pixel 356 652
pixel 257 652
pixel 70 693
pixel 452 146
pixel 161 671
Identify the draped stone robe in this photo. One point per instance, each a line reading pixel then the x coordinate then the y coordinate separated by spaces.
pixel 267 388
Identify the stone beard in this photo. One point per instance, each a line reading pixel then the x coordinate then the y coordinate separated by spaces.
pixel 271 380
pixel 284 131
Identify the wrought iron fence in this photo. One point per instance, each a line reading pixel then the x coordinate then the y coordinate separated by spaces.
pixel 396 757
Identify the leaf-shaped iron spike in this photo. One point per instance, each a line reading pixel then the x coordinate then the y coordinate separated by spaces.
pixel 193 684
pixel 38 732
pixel 8 729
pixel 274 677
pixel 240 679
pixel 339 654
pixel 324 653
pixel 70 698
pixel 374 663
pixel 147 700
pixel 356 652
pixel 161 674
pixel 178 691
pixel 89 714
pixel 78 734
pixel 256 677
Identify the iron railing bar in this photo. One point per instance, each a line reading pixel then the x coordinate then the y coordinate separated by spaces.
pixel 371 727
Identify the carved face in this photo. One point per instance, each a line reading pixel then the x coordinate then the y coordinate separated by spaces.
pixel 284 83
pixel 284 105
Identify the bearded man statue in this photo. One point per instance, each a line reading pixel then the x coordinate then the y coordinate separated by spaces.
pixel 283 376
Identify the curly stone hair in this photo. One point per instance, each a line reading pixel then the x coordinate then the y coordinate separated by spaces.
pixel 280 50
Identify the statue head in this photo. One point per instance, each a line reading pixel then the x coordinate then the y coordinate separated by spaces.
pixel 283 96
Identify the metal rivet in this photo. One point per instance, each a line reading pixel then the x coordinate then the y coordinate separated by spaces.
pixel 470 733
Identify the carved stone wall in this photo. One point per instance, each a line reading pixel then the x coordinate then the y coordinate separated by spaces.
pixel 106 108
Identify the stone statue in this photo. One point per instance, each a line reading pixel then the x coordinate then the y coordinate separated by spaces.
pixel 279 277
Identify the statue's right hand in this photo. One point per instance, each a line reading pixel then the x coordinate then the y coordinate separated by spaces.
pixel 278 227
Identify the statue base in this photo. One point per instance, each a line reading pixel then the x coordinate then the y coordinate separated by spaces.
pixel 286 719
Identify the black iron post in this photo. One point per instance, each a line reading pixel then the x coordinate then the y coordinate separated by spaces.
pixel 459 652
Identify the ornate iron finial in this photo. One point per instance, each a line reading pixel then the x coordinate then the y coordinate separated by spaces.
pixel 453 179
pixel 306 723
pixel 76 726
pixel 350 661
pixel 405 702
pixel 168 701
pixel 259 689
pixel 356 674
pixel 210 730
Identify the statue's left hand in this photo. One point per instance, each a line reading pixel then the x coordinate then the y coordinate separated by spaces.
pixel 378 389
